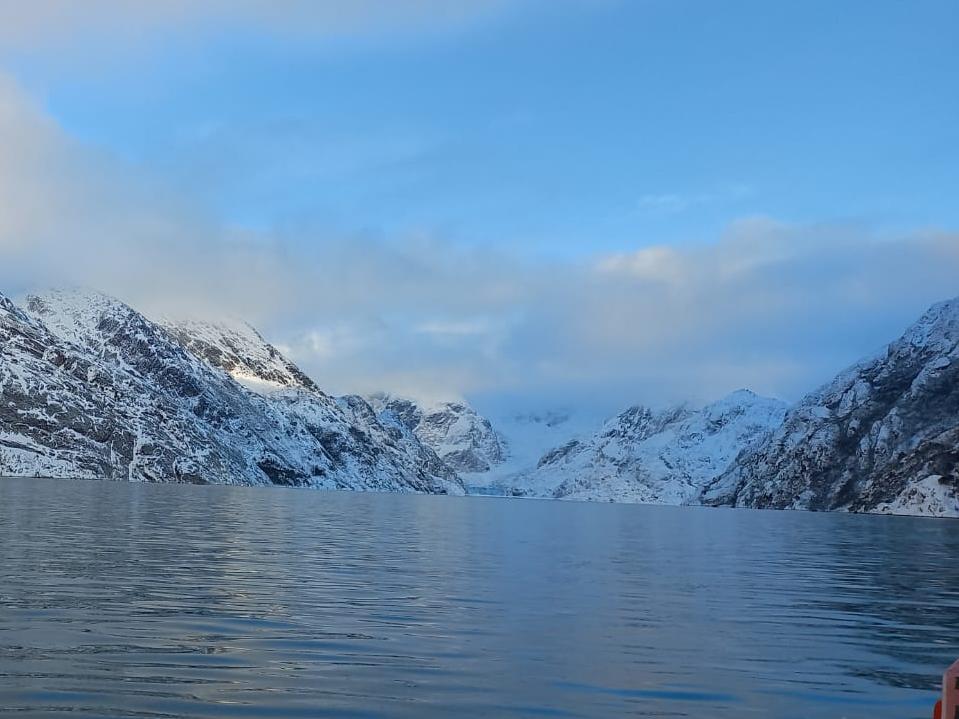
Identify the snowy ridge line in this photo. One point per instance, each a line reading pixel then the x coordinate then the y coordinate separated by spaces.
pixel 649 456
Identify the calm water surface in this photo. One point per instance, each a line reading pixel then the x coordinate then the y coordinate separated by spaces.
pixel 121 600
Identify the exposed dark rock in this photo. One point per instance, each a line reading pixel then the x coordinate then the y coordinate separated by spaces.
pixel 883 436
pixel 91 388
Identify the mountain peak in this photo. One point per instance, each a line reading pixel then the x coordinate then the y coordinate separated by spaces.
pixel 743 400
pixel 938 325
pixel 77 314
pixel 74 299
pixel 455 431
pixel 741 395
pixel 237 348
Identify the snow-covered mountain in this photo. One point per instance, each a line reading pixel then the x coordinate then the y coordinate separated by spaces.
pixel 882 437
pixel 91 388
pixel 454 430
pixel 663 457
pixel 61 412
pixel 237 348
pixel 528 436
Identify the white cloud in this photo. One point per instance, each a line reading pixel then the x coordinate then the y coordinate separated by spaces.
pixel 768 305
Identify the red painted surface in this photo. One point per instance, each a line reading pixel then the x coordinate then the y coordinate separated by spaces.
pixel 950 692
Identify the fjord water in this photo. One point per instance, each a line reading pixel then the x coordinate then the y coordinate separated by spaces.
pixel 133 600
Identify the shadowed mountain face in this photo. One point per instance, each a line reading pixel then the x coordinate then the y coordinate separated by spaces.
pixel 240 351
pixel 91 388
pixel 883 436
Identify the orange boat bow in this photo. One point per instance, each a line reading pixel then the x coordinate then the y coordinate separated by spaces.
pixel 948 707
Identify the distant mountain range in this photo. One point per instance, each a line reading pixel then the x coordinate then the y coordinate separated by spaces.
pixel 662 457
pixel 90 388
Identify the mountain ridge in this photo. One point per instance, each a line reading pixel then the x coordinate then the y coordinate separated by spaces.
pixel 882 436
pixel 661 456
pixel 176 416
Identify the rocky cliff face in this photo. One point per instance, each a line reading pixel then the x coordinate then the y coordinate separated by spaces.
pixel 69 410
pixel 663 457
pixel 461 437
pixel 882 437
pixel 91 388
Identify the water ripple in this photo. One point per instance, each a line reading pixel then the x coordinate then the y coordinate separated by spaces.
pixel 170 602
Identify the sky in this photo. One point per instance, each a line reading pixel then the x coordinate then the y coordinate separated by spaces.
pixel 553 201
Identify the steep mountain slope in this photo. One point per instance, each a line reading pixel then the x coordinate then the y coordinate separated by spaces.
pixel 241 351
pixel 662 457
pixel 461 437
pixel 139 406
pixel 51 422
pixel 67 412
pixel 882 436
pixel 347 427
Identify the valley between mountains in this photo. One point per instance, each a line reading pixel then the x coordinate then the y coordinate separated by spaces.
pixel 91 388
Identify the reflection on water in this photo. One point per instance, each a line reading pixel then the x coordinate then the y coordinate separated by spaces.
pixel 184 601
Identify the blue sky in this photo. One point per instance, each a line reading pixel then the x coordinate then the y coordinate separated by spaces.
pixel 558 127
pixel 548 137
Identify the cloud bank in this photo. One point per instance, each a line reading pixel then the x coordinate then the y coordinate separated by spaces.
pixel 768 305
